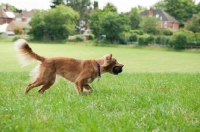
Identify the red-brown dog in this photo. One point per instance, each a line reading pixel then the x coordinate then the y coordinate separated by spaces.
pixel 80 72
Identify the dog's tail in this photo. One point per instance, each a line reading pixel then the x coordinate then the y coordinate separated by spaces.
pixel 26 55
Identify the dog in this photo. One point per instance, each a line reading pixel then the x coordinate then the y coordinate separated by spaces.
pixel 79 72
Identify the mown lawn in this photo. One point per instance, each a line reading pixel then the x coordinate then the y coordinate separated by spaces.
pixel 157 91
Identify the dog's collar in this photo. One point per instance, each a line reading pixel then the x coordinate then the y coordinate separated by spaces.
pixel 98 66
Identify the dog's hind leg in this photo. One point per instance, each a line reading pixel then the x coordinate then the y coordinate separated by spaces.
pixel 79 84
pixel 34 84
pixel 47 84
pixel 88 88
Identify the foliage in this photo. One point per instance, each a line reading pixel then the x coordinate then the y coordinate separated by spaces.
pixel 149 25
pixel 83 7
pixel 194 24
pixel 18 31
pixel 142 41
pixel 162 40
pixel 79 38
pixel 160 5
pixel 182 10
pixel 57 23
pixel 190 35
pixel 167 32
pixel 109 7
pixel 91 36
pixel 178 41
pixel 95 21
pixel 139 32
pixel 56 3
pixel 150 40
pixel 133 38
pixel 16 38
pixel 112 24
pixel 135 18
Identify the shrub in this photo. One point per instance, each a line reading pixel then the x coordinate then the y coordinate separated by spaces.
pixel 150 39
pixel 158 40
pixel 91 36
pixel 178 41
pixel 142 41
pixel 167 32
pixel 153 31
pixel 16 38
pixel 139 32
pixel 18 31
pixel 79 38
pixel 133 38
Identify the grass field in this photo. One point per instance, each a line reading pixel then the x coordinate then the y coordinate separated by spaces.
pixel 157 91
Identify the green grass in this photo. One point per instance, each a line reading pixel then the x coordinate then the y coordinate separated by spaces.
pixel 158 91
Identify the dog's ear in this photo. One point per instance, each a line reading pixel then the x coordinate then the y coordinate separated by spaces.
pixel 107 60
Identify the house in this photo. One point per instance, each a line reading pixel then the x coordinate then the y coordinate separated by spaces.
pixel 166 21
pixel 24 16
pixel 9 20
pixel 6 17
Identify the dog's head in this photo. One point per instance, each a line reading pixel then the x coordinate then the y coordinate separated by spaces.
pixel 111 65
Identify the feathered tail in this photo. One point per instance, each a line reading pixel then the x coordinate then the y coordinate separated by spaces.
pixel 26 55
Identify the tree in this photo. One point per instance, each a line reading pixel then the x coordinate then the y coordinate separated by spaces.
pixel 95 20
pixel 56 2
pixel 149 25
pixel 110 7
pixel 57 23
pixel 38 24
pixel 194 24
pixel 113 24
pixel 160 5
pixel 83 7
pixel 182 10
pixel 135 18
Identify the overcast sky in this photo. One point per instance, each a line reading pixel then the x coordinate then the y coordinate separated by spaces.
pixel 122 5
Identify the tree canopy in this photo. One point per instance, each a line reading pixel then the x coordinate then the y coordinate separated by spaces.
pixel 56 23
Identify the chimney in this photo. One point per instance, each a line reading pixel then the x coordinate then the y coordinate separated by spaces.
pixel 150 12
pixel 7 7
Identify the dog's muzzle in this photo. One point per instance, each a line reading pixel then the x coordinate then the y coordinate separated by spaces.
pixel 117 69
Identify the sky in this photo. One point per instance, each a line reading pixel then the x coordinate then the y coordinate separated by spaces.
pixel 122 5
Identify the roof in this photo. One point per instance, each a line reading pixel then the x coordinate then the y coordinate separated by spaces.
pixel 15 24
pixel 162 15
pixel 26 14
pixel 6 13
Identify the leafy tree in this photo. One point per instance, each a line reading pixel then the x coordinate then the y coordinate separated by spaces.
pixel 110 7
pixel 113 24
pixel 83 7
pixel 149 25
pixel 194 24
pixel 182 10
pixel 38 24
pixel 57 23
pixel 56 2
pixel 160 5
pixel 95 20
pixel 135 18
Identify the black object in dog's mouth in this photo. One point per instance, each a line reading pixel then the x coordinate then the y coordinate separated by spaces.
pixel 117 69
